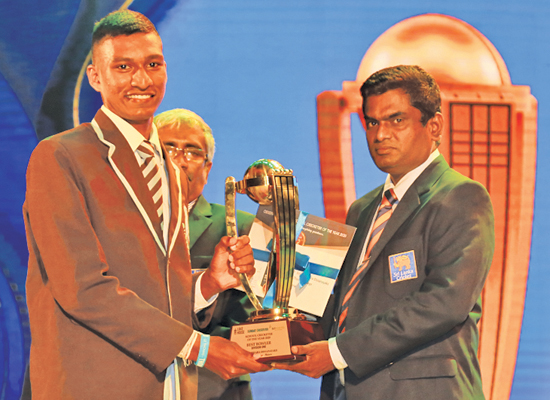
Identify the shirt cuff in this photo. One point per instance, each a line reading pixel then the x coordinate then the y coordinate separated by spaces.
pixel 186 351
pixel 335 355
pixel 200 301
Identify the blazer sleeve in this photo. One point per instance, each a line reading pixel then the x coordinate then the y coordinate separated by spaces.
pixel 458 239
pixel 70 265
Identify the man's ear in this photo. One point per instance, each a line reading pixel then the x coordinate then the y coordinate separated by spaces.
pixel 93 77
pixel 207 169
pixel 435 126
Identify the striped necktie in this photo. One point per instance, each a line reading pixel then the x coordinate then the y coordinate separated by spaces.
pixel 151 173
pixel 384 213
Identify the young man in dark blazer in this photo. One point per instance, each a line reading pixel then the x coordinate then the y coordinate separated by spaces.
pixel 190 143
pixel 110 293
pixel 407 301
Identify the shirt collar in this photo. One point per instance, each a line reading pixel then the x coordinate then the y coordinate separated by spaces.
pixel 408 179
pixel 132 136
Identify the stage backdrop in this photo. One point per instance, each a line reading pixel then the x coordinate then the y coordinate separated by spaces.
pixel 252 70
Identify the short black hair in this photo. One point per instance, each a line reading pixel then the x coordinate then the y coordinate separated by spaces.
pixel 122 22
pixel 421 87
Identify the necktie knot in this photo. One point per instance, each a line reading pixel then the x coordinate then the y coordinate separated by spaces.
pixel 389 198
pixel 146 150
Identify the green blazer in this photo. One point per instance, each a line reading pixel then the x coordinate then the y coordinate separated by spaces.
pixel 416 338
pixel 206 228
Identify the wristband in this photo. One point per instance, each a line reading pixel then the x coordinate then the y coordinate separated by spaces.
pixel 203 350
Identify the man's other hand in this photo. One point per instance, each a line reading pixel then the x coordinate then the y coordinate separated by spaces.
pixel 232 256
pixel 317 363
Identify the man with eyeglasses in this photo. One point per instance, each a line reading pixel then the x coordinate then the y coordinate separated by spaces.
pixel 189 142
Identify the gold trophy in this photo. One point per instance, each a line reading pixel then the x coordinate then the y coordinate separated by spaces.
pixel 271 332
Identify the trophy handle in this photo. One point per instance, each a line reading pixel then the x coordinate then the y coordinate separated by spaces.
pixel 285 201
pixel 231 227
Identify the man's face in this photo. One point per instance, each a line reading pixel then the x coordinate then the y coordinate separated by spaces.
pixel 397 141
pixel 130 73
pixel 196 169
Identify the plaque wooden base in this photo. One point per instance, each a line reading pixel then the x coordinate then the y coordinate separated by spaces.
pixel 274 338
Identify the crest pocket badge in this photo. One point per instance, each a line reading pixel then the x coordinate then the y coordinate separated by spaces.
pixel 402 266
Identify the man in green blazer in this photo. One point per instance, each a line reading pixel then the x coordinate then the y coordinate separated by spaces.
pixel 189 141
pixel 407 301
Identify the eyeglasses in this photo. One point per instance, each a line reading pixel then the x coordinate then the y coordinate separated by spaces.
pixel 190 153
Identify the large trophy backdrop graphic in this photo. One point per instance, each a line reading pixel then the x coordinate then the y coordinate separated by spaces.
pixel 272 331
pixel 490 136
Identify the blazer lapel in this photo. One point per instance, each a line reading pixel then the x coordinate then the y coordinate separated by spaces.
pixel 202 211
pixel 123 161
pixel 409 203
pixel 363 223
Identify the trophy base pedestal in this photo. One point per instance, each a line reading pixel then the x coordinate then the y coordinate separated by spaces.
pixel 273 338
